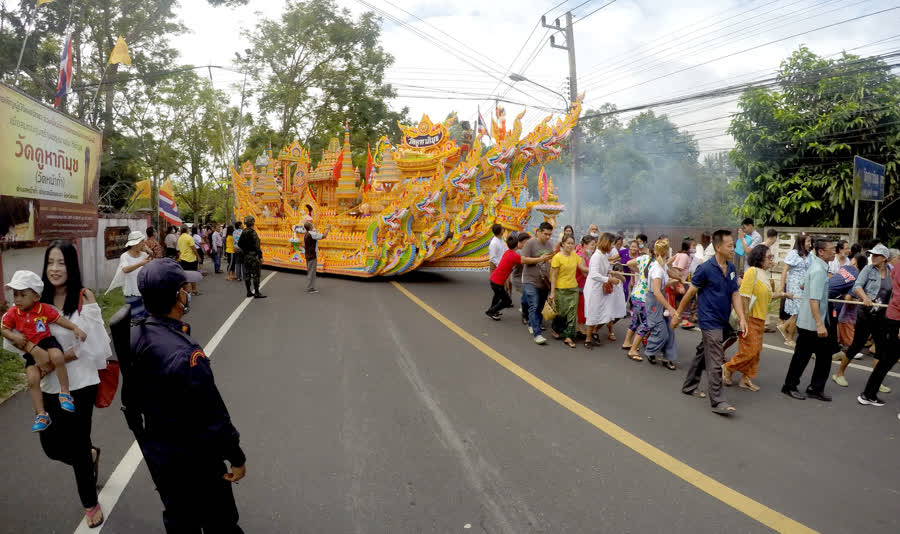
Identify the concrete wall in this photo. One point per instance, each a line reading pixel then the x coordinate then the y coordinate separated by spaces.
pixel 96 271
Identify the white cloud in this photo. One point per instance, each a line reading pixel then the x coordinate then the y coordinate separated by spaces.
pixel 621 46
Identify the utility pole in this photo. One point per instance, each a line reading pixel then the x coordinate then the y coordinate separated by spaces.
pixel 569 46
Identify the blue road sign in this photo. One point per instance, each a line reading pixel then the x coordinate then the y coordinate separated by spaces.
pixel 868 179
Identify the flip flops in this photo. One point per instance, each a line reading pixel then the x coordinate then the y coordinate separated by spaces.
pixel 723 408
pixel 88 514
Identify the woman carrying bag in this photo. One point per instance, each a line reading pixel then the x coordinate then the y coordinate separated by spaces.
pixel 68 439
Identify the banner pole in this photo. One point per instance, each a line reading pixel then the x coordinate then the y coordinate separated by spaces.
pixel 875 227
pixel 853 236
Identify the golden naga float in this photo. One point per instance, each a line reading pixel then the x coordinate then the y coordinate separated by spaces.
pixel 424 204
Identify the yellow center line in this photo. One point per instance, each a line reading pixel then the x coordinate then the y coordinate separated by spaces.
pixel 753 509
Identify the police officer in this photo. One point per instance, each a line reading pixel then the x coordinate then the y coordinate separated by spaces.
pixel 249 245
pixel 172 405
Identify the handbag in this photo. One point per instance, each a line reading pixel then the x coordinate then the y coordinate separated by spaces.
pixel 109 384
pixel 548 312
pixel 109 377
pixel 607 287
pixel 733 320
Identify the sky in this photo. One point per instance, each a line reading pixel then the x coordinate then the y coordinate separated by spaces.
pixel 630 52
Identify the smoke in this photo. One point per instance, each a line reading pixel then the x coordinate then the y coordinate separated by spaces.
pixel 646 172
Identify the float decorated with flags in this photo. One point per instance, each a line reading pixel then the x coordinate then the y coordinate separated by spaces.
pixel 424 203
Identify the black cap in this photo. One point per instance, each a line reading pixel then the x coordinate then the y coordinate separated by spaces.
pixel 161 275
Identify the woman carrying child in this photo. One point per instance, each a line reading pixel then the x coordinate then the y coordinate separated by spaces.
pixel 68 440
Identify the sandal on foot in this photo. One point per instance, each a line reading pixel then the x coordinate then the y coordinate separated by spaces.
pixel 589 345
pixel 748 385
pixel 611 336
pixel 652 360
pixel 570 343
pixel 66 402
pixel 726 376
pixel 92 514
pixel 626 347
pixel 723 408
pixel 41 422
pixel 635 357
pixel 670 365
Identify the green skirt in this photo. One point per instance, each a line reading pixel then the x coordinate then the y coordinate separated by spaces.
pixel 566 304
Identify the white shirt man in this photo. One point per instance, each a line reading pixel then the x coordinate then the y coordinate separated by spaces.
pixel 497 247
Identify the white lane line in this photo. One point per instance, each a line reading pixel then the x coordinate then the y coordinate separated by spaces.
pixel 120 477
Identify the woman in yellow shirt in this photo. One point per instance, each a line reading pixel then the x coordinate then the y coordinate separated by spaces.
pixel 756 283
pixel 187 254
pixel 564 289
pixel 229 252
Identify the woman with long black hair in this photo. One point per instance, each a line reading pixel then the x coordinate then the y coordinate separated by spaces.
pixel 68 439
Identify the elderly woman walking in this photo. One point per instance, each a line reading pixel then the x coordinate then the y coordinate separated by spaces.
pixel 756 287
pixel 872 286
pixel 68 439
pixel 599 295
pixel 796 264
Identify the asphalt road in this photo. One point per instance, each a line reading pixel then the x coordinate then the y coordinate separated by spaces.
pixel 361 412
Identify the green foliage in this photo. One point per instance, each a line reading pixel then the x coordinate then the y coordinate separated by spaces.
pixel 795 146
pixel 318 67
pixel 12 372
pixel 646 171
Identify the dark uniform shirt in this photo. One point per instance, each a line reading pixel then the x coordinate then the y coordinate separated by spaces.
pixel 172 386
pixel 249 242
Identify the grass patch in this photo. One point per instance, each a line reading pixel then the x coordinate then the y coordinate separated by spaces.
pixel 12 366
pixel 12 372
pixel 110 303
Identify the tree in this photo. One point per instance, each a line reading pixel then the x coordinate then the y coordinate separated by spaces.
pixel 795 145
pixel 317 68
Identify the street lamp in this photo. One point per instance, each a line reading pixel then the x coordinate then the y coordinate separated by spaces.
pixel 573 144
pixel 519 78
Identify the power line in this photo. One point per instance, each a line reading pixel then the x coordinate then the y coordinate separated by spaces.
pixel 752 48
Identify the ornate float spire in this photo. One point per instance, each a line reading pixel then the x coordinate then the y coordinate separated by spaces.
pixel 346 188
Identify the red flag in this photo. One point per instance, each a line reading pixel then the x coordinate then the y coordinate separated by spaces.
pixel 65 72
pixel 367 179
pixel 336 170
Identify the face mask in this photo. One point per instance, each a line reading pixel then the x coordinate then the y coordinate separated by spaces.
pixel 187 305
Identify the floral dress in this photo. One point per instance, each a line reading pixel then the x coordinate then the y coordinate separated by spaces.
pixel 798 266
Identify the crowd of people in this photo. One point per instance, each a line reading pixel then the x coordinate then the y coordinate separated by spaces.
pixel 231 249
pixel 835 299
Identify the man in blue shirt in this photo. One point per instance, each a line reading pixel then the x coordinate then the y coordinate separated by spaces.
pixel 812 330
pixel 715 281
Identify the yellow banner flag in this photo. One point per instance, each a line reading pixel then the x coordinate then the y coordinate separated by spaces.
pixel 120 53
pixel 142 191
pixel 166 188
pixel 42 2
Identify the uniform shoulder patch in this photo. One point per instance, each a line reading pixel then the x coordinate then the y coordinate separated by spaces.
pixel 196 355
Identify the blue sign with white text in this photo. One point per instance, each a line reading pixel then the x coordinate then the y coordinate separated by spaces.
pixel 868 179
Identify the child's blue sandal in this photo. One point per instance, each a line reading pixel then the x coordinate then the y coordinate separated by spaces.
pixel 41 422
pixel 66 402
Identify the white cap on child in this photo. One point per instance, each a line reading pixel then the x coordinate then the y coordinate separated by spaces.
pixel 26 280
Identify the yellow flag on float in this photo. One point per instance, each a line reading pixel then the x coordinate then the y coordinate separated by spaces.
pixel 120 53
pixel 42 2
pixel 142 191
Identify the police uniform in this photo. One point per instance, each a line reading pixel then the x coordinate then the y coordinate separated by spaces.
pixel 179 419
pixel 250 245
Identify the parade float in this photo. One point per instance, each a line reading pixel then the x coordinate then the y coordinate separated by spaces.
pixel 426 203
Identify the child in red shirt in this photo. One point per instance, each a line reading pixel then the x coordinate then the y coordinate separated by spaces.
pixel 27 326
pixel 510 259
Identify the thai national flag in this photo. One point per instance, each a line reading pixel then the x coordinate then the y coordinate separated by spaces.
pixel 168 210
pixel 481 128
pixel 65 72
